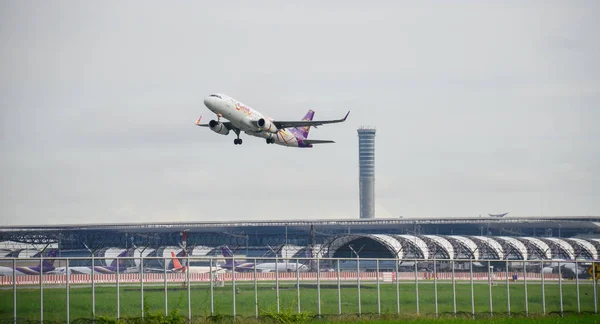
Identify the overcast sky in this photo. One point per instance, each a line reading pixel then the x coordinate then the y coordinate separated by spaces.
pixel 480 107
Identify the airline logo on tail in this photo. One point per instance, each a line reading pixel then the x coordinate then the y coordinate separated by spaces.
pixel 303 130
pixel 176 264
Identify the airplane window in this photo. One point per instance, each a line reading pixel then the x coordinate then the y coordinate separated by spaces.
pixel 217 96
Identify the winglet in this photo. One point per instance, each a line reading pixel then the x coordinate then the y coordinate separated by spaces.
pixel 198 121
pixel 346 115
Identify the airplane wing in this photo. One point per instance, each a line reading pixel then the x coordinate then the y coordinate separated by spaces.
pixel 307 141
pixel 300 123
pixel 227 125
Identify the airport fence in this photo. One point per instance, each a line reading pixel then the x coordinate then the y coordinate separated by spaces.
pixel 320 287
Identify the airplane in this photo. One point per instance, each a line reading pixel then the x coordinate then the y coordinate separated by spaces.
pixel 243 118
pixel 112 268
pixel 498 215
pixel 568 270
pixel 260 267
pixel 47 266
pixel 179 268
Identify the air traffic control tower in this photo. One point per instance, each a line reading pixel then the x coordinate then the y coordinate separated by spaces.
pixel 366 162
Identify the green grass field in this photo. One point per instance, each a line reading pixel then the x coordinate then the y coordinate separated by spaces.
pixel 28 299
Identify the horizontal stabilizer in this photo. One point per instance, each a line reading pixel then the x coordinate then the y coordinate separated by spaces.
pixel 307 141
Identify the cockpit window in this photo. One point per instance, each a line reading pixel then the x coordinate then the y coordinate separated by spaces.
pixel 216 96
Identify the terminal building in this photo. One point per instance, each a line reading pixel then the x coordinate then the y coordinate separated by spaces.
pixel 481 238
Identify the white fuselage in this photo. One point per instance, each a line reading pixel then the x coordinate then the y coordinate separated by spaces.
pixel 281 267
pixel 246 118
pixel 198 269
pixel 19 271
pixel 97 270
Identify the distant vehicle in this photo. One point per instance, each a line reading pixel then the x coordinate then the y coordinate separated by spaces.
pixel 243 118
pixel 498 215
pixel 46 267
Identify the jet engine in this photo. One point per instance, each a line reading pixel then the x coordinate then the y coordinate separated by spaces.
pixel 218 127
pixel 267 126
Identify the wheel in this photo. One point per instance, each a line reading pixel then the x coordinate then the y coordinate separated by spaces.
pixel 236 141
pixel 240 141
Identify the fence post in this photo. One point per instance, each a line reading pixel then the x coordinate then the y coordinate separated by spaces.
pixel 378 289
pixel 507 289
pixel 165 284
pixel 339 288
pixel 14 284
pixel 358 282
pixel 544 288
pixel 490 274
pixel 397 288
pixel 416 287
pixel 560 291
pixel 277 279
pixel 472 294
pixel 255 291
pixel 435 292
pixel 577 285
pixel 94 287
pixel 319 287
pixel 453 289
pixel 118 290
pixel 189 293
pixel 298 285
pixel 525 284
pixel 67 276
pixel 142 282
pixel 595 286
pixel 211 284
pixel 233 285
pixel 42 289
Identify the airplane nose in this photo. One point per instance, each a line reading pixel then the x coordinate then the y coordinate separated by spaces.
pixel 208 101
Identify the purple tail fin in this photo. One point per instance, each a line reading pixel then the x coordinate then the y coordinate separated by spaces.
pixel 309 253
pixel 228 254
pixel 303 131
pixel 113 264
pixel 49 262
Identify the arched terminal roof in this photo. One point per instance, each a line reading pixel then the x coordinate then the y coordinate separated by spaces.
pixel 515 245
pixel 200 251
pixel 443 243
pixel 389 242
pixel 496 247
pixel 564 245
pixel 416 242
pixel 468 243
pixel 587 246
pixel 540 245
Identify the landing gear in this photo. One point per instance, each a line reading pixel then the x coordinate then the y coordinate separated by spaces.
pixel 270 140
pixel 238 140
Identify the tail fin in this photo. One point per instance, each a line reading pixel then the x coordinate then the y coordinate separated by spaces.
pixel 226 251
pixel 176 264
pixel 305 129
pixel 121 261
pixel 49 262
pixel 228 254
